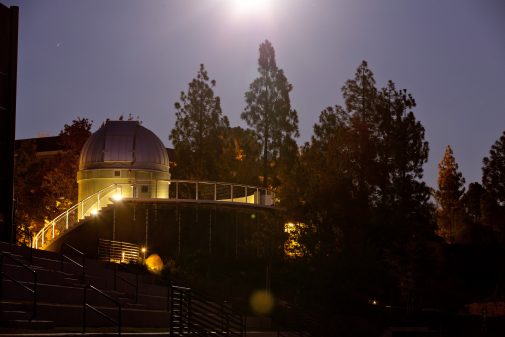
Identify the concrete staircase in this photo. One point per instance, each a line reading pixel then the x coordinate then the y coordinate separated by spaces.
pixel 60 292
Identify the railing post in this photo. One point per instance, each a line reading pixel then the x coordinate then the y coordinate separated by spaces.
pixel 98 201
pixel 176 190
pixel 66 219
pixel 34 296
pixel 43 234
pixel 53 229
pixel 196 197
pixel 246 194
pixel 231 191
pixel 215 192
pixel 136 288
pixel 82 209
pixel 84 309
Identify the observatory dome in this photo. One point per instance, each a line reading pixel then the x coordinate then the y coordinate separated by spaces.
pixel 124 144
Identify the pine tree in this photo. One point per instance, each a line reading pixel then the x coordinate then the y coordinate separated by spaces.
pixel 493 177
pixel 268 109
pixel 450 190
pixel 198 129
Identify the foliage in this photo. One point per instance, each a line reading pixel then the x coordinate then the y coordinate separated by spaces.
pixel 359 192
pixel 493 179
pixel 29 172
pixel 268 110
pixel 46 187
pixel 493 171
pixel 59 182
pixel 450 190
pixel 239 157
pixel 198 133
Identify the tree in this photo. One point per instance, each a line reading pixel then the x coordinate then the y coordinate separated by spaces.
pixel 59 182
pixel 199 129
pixel 28 178
pixel 359 194
pixel 360 95
pixel 239 157
pixel 268 109
pixel 493 177
pixel 450 190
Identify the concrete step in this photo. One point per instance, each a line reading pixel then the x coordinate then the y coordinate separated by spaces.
pixel 43 275
pixel 72 315
pixel 27 324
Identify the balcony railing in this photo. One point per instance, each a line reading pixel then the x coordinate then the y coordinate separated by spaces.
pixel 178 190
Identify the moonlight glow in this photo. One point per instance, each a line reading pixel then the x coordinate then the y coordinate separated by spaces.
pixel 249 7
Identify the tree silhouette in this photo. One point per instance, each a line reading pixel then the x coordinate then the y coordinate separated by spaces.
pixel 268 109
pixel 450 190
pixel 198 130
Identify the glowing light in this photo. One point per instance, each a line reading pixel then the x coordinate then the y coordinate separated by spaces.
pixel 117 197
pixel 249 7
pixel 154 263
pixel 94 212
pixel 262 302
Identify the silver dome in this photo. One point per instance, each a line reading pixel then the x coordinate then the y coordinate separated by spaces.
pixel 124 144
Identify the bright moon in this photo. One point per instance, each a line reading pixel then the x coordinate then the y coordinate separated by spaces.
pixel 245 7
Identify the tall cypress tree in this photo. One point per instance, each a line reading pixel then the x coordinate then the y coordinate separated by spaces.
pixel 268 109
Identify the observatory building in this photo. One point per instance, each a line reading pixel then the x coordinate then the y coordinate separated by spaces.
pixel 128 203
pixel 127 154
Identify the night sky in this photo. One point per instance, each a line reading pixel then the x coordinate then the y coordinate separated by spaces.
pixel 102 58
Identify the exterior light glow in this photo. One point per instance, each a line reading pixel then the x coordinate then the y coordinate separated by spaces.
pixel 94 212
pixel 117 197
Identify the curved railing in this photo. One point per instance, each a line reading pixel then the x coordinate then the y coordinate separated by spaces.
pixel 68 219
pixel 178 190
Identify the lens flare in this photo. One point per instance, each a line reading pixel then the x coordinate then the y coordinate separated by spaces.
pixel 262 302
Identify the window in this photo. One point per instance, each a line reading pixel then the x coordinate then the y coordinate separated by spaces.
pixel 117 173
pixel 144 189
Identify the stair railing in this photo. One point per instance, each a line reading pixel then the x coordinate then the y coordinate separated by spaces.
pixel 194 313
pixel 28 234
pixel 131 284
pixel 32 290
pixel 86 305
pixel 82 265
pixel 71 216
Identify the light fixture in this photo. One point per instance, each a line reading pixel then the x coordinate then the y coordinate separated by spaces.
pixel 117 197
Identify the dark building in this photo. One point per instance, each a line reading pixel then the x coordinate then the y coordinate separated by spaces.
pixel 8 74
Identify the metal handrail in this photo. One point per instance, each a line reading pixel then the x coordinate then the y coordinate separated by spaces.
pixel 66 257
pixel 193 313
pixel 104 315
pixel 33 290
pixel 40 236
pixel 134 285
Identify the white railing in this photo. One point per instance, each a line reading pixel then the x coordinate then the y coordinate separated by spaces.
pixel 70 218
pixel 220 192
pixel 178 190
